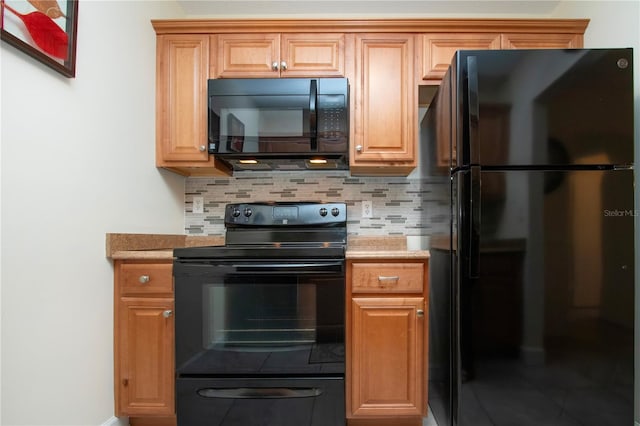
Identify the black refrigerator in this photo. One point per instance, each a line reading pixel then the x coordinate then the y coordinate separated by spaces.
pixel 532 283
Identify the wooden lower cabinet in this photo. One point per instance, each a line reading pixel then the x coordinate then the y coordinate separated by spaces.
pixel 387 322
pixel 386 369
pixel 144 340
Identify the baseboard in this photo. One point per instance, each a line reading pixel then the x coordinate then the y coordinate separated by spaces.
pixel 116 421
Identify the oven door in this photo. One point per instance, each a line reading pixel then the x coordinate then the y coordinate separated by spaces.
pixel 259 318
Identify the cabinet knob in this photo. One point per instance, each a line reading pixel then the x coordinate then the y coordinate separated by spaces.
pixel 283 65
pixel 167 313
pixel 202 148
pixel 274 66
pixel 144 279
pixel 359 148
pixel 420 313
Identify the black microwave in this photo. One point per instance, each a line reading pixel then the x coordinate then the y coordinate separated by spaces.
pixel 279 124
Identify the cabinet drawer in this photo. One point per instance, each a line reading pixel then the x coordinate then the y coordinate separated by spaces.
pixel 387 277
pixel 146 278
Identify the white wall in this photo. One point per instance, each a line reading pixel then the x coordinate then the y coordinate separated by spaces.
pixel 615 24
pixel 77 162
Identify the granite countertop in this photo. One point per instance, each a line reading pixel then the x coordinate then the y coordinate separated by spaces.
pixel 367 247
pixel 153 246
pixel 160 246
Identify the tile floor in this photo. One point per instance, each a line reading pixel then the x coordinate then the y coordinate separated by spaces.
pixel 430 420
pixel 584 381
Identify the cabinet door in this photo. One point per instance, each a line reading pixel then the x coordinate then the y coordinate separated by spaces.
pixel 312 55
pixel 144 357
pixel 248 55
pixel 384 134
pixel 387 371
pixel 280 55
pixel 438 50
pixel 181 104
pixel 541 41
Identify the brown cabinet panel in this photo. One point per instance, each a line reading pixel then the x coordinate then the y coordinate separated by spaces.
pixel 387 363
pixel 541 41
pixel 146 278
pixel 248 55
pixel 385 115
pixel 438 50
pixel 271 55
pixel 183 69
pixel 313 55
pixel 143 338
pixel 387 348
pixel 387 277
pixel 144 379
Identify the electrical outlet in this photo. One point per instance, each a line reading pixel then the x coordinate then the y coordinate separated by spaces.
pixel 198 204
pixel 367 208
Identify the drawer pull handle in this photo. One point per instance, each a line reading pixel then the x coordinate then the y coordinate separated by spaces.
pixel 144 279
pixel 393 278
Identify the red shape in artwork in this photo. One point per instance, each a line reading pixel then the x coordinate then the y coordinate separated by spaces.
pixel 46 34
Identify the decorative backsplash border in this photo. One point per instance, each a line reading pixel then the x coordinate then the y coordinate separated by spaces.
pixel 401 206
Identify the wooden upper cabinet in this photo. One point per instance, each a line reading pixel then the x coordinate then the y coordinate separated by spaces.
pixel 541 41
pixel 183 69
pixel 438 47
pixel 438 50
pixel 384 105
pixel 182 66
pixel 384 60
pixel 271 55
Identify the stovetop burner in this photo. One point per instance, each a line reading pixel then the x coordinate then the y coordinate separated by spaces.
pixel 284 230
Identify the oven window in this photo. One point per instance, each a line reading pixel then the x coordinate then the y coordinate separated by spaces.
pixel 253 313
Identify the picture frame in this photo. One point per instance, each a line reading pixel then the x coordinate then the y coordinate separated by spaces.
pixel 43 29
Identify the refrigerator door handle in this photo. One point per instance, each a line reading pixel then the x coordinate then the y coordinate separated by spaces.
pixel 473 115
pixel 474 223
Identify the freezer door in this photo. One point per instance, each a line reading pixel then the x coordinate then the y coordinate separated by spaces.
pixel 546 328
pixel 543 107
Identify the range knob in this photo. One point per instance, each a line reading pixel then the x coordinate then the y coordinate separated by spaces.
pixel 323 212
pixel 235 212
pixel 335 211
pixel 247 212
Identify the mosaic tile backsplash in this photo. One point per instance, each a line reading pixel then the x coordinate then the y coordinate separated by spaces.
pixel 401 206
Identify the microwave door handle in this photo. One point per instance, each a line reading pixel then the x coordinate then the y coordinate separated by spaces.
pixel 313 115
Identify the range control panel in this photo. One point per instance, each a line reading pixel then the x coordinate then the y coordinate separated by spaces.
pixel 285 214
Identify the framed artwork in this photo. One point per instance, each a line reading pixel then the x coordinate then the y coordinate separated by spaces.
pixel 43 29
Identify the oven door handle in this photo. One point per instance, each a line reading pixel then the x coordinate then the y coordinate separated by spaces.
pixel 290 267
pixel 259 393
